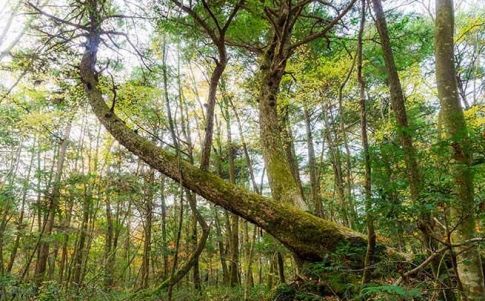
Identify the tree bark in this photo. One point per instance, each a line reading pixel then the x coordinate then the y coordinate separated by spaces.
pixel 469 264
pixel 284 186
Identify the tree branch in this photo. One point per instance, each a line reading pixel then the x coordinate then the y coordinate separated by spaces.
pixel 327 28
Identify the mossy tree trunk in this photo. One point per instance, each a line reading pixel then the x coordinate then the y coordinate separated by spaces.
pixel 274 138
pixel 308 236
pixel 463 216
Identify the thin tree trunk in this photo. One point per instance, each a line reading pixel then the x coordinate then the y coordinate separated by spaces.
pixel 245 148
pixel 312 165
pixel 334 153
pixel 234 221
pixel 220 246
pixel 52 207
pixel 20 220
pixel 371 234
pixel 192 197
pixel 343 133
pixel 398 106
pixel 80 251
pixel 108 244
pixel 148 211
pixel 176 276
pixel 164 228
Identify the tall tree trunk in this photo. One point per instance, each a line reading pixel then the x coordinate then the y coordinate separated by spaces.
pixel 371 234
pixel 334 153
pixel 220 246
pixel 20 220
pixel 463 216
pixel 80 251
pixel 312 165
pixel 108 244
pixel 53 199
pixel 398 106
pixel 234 222
pixel 245 148
pixel 192 262
pixel 348 165
pixel 211 103
pixel 425 221
pixel 7 205
pixel 147 231
pixel 164 228
pixel 291 154
pixel 193 198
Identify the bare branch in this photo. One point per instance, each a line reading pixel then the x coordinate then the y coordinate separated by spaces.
pixel 56 19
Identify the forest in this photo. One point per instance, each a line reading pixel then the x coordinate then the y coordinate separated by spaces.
pixel 243 150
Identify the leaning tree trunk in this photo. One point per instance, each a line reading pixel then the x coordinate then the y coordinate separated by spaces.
pixel 398 103
pixel 468 258
pixel 308 236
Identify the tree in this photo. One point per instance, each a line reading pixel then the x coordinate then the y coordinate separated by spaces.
pixel 371 235
pixel 463 218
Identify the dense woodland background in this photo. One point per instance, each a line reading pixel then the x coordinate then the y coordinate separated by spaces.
pixel 242 150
